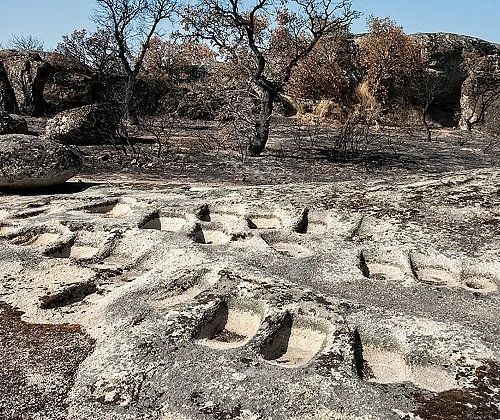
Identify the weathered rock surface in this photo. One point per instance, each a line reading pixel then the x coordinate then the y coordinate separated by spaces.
pixel 66 90
pixel 27 73
pixel 356 300
pixel 7 98
pixel 480 102
pixel 12 124
pixel 32 162
pixel 90 124
pixel 71 84
pixel 446 51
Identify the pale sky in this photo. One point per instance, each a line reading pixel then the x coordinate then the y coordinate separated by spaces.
pixel 48 20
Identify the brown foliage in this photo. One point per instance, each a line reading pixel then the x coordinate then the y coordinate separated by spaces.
pixel 328 72
pixel 388 57
pixel 173 61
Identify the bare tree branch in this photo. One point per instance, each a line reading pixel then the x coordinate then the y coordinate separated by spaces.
pixel 25 42
pixel 133 24
pixel 270 37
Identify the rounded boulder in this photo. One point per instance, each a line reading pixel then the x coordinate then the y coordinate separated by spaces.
pixel 33 162
pixel 12 124
pixel 87 125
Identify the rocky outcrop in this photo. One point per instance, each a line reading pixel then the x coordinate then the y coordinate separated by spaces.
pixel 7 98
pixel 27 73
pixel 446 53
pixel 481 112
pixel 446 50
pixel 90 124
pixel 71 84
pixel 66 90
pixel 33 162
pixel 377 301
pixel 12 124
pixel 480 97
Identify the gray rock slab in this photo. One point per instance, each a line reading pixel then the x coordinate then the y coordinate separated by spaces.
pixel 373 300
pixel 32 162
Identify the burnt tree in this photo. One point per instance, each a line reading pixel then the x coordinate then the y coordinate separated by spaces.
pixel 133 23
pixel 270 37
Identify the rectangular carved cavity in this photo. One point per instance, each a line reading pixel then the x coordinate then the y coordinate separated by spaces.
pixel 437 277
pixel 168 224
pixel 387 367
pixel 112 209
pixel 384 366
pixel 72 294
pixel 81 246
pixel 229 326
pixel 74 252
pixel 294 343
pixel 209 236
pixel 264 223
pixel 377 268
pixel 436 270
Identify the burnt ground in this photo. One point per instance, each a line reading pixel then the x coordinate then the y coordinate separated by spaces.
pixel 38 364
pixel 196 152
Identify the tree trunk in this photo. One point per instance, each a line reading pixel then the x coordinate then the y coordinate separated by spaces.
pixel 258 142
pixel 426 124
pixel 129 98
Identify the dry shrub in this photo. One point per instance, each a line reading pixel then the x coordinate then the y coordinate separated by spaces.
pixel 328 110
pixel 388 56
pixel 367 108
pixel 365 96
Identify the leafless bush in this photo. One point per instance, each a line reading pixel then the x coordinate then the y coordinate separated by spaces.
pixel 161 126
pixel 25 42
pixel 116 92
pixel 237 134
pixel 351 141
pixel 229 136
pixel 305 135
pixel 235 118
pixel 208 139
